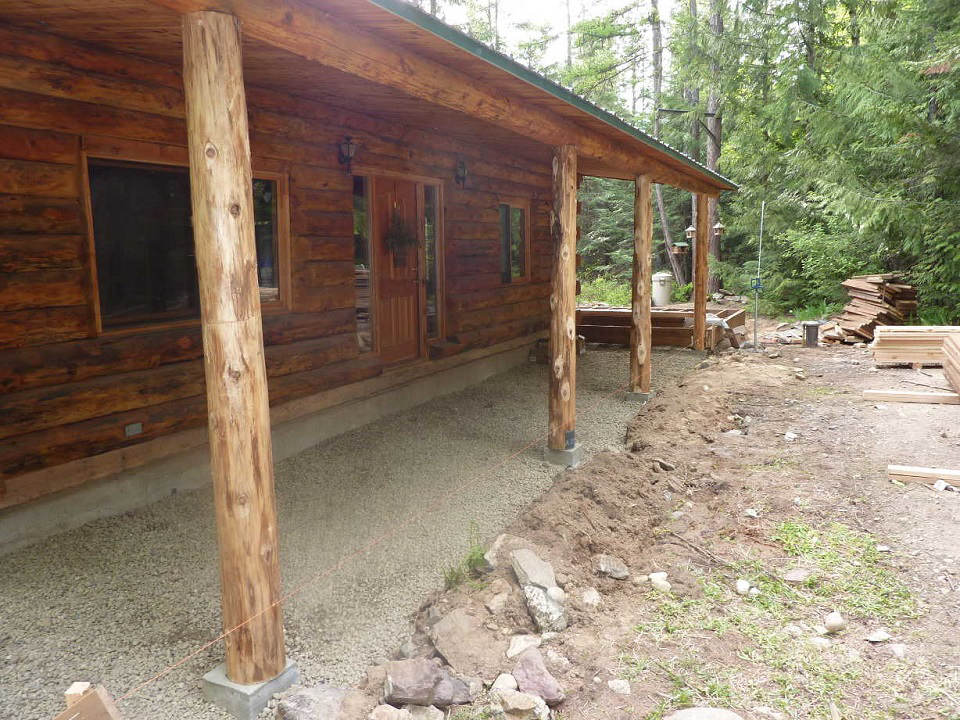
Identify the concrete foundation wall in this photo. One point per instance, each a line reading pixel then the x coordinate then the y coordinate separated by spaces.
pixel 189 470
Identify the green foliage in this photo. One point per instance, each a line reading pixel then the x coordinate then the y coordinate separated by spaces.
pixel 681 293
pixel 605 290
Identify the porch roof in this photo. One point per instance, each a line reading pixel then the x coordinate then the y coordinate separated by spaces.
pixel 390 60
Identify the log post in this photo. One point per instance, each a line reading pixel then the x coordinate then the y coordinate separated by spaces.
pixel 562 445
pixel 701 247
pixel 241 456
pixel 640 333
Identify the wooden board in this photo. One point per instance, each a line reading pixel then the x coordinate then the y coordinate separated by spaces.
pixel 915 473
pixel 908 396
pixel 94 705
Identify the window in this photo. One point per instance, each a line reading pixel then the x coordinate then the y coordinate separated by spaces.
pixel 431 252
pixel 361 263
pixel 514 260
pixel 143 239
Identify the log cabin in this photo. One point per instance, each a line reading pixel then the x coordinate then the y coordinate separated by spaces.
pixel 231 228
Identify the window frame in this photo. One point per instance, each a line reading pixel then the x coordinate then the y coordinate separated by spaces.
pixel 150 156
pixel 524 204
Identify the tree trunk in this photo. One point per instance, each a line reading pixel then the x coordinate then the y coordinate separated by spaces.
pixel 700 274
pixel 241 456
pixel 679 271
pixel 714 139
pixel 693 100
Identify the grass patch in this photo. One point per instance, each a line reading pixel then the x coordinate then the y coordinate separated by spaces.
pixel 470 569
pixel 605 290
pixel 771 661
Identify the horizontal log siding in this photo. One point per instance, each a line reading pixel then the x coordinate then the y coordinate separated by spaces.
pixel 67 394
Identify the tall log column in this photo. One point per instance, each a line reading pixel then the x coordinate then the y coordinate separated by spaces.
pixel 641 333
pixel 701 248
pixel 241 455
pixel 562 445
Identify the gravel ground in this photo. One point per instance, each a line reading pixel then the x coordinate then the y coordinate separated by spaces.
pixel 117 600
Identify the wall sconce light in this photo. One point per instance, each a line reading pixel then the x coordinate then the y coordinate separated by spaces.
pixel 346 150
pixel 461 174
pixel 719 229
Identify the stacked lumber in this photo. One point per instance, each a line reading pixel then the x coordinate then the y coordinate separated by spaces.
pixel 951 361
pixel 911 344
pixel 875 300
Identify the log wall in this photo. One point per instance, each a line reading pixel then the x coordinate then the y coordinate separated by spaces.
pixel 67 391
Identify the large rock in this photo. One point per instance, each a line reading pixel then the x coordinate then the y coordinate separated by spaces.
pixel 521 706
pixel 501 548
pixel 388 712
pixel 313 703
pixel 467 646
pixel 611 566
pixel 421 712
pixel 534 678
pixel 548 614
pixel 531 570
pixel 703 713
pixel 422 682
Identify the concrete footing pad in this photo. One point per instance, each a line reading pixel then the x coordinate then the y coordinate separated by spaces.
pixel 245 701
pixel 568 458
pixel 640 397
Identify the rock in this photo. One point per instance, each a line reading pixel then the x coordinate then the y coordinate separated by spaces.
pixel 466 646
pixel 591 597
pixel 664 465
pixel 499 551
pixel 547 613
pixel 531 570
pixel 898 650
pixel 820 643
pixel 312 703
pixel 703 713
pixel 557 594
pixel 743 586
pixel 797 576
pixel 619 686
pixel 878 636
pixel 557 660
pixel 388 712
pixel 793 630
pixel 534 678
pixel 521 706
pixel 734 432
pixel 497 603
pixel 421 712
pixel 504 681
pixel 940 485
pixel 422 682
pixel 659 582
pixel 521 643
pixel 790 436
pixel 754 592
pixel 751 513
pixel 834 622
pixel 611 566
pixel 774 355
pixel 884 548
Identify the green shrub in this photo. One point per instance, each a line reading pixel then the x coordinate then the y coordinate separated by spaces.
pixel 605 290
pixel 681 293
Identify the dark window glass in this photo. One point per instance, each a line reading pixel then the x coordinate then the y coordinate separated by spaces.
pixel 432 271
pixel 361 263
pixel 513 243
pixel 143 237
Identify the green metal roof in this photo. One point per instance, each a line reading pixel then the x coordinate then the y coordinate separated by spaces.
pixel 428 22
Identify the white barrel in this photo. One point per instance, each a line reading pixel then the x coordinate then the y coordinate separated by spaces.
pixel 662 288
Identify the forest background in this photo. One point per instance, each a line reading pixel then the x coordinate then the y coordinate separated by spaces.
pixel 842 117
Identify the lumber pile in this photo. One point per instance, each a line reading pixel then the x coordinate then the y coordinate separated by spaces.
pixel 911 344
pixel 951 361
pixel 875 300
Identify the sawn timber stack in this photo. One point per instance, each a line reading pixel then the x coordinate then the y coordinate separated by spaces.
pixel 951 361
pixel 875 300
pixel 912 344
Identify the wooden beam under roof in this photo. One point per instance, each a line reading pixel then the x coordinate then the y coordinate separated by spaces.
pixel 318 36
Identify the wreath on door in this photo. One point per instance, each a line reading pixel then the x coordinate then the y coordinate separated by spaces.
pixel 400 237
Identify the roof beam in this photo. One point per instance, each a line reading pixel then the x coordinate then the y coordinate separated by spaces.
pixel 318 36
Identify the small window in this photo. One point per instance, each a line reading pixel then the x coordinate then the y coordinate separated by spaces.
pixel 431 257
pixel 513 243
pixel 361 263
pixel 143 239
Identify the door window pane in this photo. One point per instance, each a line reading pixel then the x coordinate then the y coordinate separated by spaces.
pixel 430 221
pixel 361 263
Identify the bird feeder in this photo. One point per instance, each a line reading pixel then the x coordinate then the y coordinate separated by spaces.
pixel 680 248
pixel 719 230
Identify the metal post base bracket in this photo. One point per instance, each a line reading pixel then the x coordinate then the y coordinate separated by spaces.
pixel 640 397
pixel 568 458
pixel 245 701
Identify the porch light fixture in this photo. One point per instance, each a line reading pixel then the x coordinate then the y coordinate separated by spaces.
pixel 346 150
pixel 461 173
pixel 691 232
pixel 719 229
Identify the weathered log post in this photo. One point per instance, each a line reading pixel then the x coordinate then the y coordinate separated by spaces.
pixel 701 248
pixel 241 456
pixel 640 332
pixel 562 447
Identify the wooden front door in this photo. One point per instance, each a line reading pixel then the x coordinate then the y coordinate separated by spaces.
pixel 396 214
